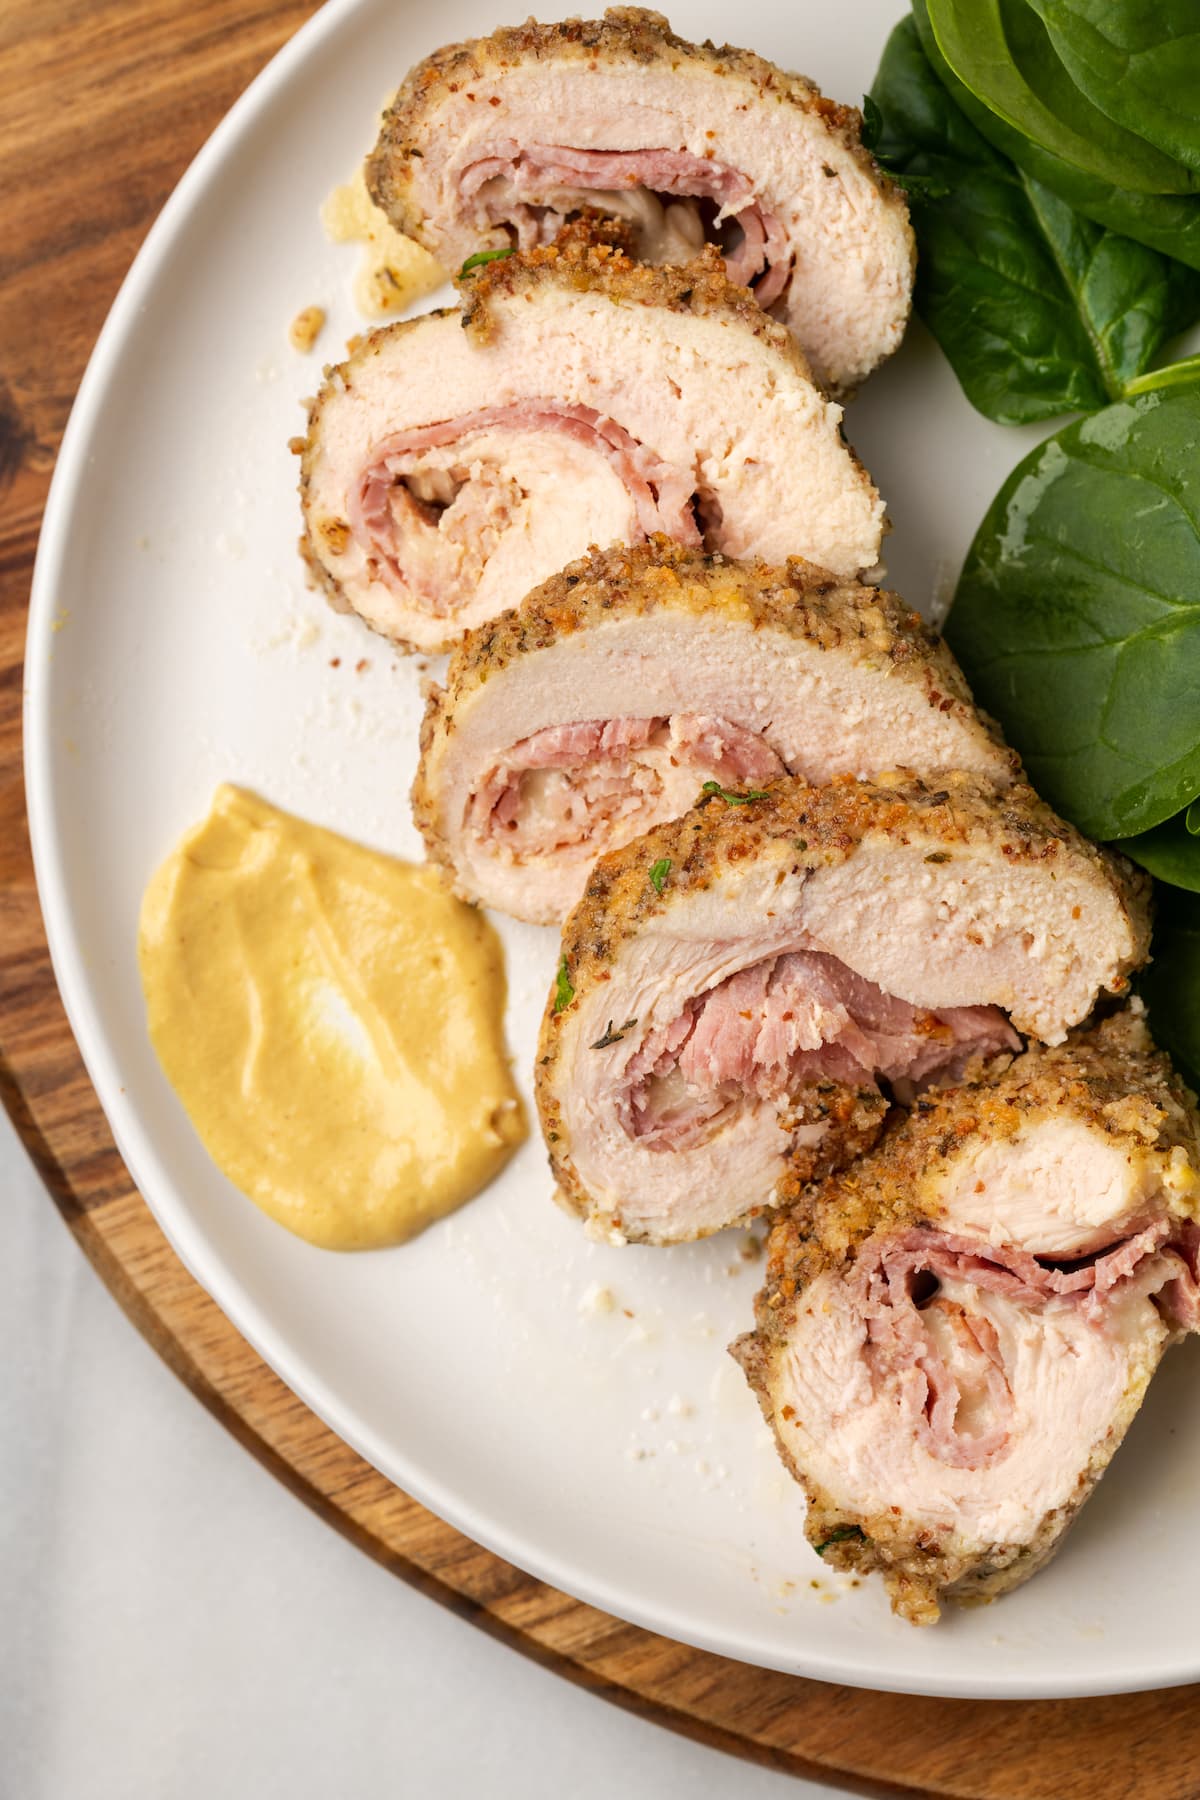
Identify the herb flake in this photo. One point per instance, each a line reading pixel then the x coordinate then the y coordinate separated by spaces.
pixel 564 992
pixel 841 1535
pixel 712 790
pixel 659 872
pixel 611 1036
pixel 481 257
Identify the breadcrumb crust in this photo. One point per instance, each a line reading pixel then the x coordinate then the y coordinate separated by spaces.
pixel 1111 1078
pixel 799 600
pixel 625 34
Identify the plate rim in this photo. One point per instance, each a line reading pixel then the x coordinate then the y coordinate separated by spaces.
pixel 203 1262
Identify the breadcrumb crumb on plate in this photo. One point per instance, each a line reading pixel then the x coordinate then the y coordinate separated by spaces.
pixel 306 328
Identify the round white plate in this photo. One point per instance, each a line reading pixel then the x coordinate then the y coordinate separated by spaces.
pixel 173 645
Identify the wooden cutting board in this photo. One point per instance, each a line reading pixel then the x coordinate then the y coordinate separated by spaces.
pixel 102 105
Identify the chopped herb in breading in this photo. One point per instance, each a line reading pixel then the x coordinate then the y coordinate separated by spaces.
pixel 481 257
pixel 712 790
pixel 611 1036
pixel 840 1536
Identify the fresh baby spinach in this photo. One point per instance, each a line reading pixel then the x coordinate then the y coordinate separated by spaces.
pixel 1170 851
pixel 1140 64
pixel 1002 51
pixel 1039 310
pixel 1171 985
pixel 1077 615
pixel 1169 223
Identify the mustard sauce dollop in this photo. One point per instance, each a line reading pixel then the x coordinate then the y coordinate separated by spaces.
pixel 332 1020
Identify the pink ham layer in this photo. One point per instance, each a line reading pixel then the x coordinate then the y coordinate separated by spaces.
pixel 899 1347
pixel 529 171
pixel 788 1021
pixel 662 495
pixel 600 759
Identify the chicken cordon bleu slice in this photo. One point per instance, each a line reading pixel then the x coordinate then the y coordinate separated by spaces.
pixel 499 140
pixel 1084 1153
pixel 742 990
pixel 953 1340
pixel 458 459
pixel 603 704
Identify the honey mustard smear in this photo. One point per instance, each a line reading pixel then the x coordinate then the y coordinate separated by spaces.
pixel 332 1020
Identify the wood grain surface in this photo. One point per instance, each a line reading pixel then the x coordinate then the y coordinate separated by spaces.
pixel 102 105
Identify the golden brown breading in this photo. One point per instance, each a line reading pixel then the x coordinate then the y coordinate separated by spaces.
pixel 335 377
pixel 587 258
pixel 920 1567
pixel 1111 1078
pixel 821 826
pixel 799 600
pixel 919 1572
pixel 796 828
pixel 624 34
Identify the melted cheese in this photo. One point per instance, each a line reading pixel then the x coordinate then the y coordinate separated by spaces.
pixel 332 1019
pixel 395 270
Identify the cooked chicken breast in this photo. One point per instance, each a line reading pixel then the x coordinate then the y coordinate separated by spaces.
pixel 589 400
pixel 1071 1151
pixel 736 985
pixel 617 689
pixel 944 1385
pixel 499 140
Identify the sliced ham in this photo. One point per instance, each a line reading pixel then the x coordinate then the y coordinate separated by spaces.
pixel 500 140
pixel 393 515
pixel 603 704
pixel 447 471
pixel 943 1382
pixel 786 1022
pixel 744 991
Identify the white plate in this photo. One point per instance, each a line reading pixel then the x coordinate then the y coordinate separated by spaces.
pixel 173 645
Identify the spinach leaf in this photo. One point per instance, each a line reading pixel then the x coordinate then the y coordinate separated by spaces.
pixel 1166 222
pixel 1170 851
pixel 1138 64
pixel 1001 50
pixel 1171 985
pixel 1039 311
pixel 1077 616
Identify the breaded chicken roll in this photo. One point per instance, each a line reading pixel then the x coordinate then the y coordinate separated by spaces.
pixel 954 1338
pixel 606 701
pixel 588 400
pixel 500 140
pixel 738 988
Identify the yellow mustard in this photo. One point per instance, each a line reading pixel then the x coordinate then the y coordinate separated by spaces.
pixel 332 1019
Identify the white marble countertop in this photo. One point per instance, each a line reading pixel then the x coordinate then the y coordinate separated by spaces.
pixel 175 1625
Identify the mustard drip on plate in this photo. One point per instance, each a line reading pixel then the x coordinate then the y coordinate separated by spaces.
pixel 332 1019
